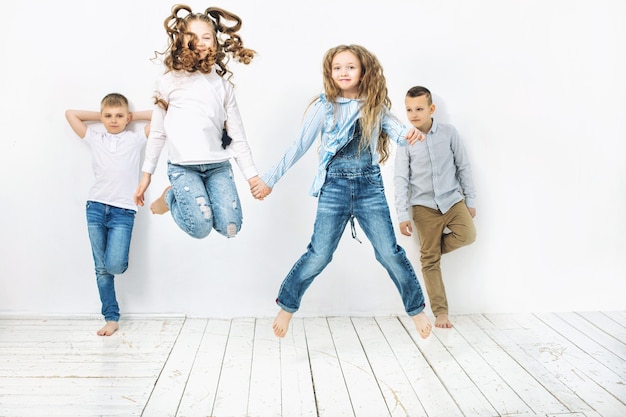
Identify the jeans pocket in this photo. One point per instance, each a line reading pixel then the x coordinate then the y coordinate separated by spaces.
pixel 375 180
pixel 129 212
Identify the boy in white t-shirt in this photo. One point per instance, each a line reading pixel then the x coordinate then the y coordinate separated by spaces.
pixel 116 158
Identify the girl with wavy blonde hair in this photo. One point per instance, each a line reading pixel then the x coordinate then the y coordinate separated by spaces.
pixel 196 113
pixel 352 118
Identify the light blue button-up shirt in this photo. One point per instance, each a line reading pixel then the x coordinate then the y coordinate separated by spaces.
pixel 435 173
pixel 334 123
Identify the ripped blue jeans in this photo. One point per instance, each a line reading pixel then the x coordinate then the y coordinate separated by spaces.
pixel 204 197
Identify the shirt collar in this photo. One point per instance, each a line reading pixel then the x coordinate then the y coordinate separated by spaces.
pixel 434 127
pixel 340 99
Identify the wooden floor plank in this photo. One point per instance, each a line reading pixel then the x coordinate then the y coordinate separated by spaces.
pixel 618 316
pixel 297 397
pixel 603 344
pixel 568 415
pixel 80 409
pixel 75 372
pixel 265 383
pixel 330 389
pixel 169 388
pixel 199 396
pixel 365 394
pixel 74 396
pixel 596 362
pixel 52 369
pixel 606 323
pixel 86 327
pixel 481 368
pixel 523 393
pixel 568 364
pixel 396 388
pixel 446 365
pixel 232 392
pixel 508 336
pixel 434 398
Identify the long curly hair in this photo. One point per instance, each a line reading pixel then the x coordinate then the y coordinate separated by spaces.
pixel 181 53
pixel 372 90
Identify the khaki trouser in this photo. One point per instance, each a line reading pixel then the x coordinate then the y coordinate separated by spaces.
pixel 434 242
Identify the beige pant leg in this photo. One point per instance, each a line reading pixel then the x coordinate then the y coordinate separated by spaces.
pixel 430 225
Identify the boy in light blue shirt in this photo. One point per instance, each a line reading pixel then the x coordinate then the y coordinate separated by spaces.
pixel 433 179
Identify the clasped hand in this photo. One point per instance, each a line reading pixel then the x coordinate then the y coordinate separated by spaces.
pixel 258 188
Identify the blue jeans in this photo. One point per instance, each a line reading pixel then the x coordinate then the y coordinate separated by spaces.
pixel 110 229
pixel 204 197
pixel 353 189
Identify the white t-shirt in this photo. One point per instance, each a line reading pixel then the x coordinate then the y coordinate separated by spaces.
pixel 199 106
pixel 115 160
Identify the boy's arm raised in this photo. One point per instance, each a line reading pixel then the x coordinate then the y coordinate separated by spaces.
pixel 142 115
pixel 77 119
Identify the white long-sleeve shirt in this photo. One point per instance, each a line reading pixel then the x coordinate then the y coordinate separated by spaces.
pixel 199 106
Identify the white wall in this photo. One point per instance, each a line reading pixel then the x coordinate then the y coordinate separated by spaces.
pixel 536 88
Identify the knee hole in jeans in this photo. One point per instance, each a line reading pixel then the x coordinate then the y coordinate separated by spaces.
pixel 204 207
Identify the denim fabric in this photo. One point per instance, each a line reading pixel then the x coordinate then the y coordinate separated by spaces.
pixel 333 122
pixel 110 229
pixel 204 197
pixel 353 189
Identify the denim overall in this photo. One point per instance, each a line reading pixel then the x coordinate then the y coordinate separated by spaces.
pixel 353 189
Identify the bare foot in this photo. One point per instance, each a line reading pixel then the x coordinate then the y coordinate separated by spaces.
pixel 159 206
pixel 442 321
pixel 109 328
pixel 281 323
pixel 422 324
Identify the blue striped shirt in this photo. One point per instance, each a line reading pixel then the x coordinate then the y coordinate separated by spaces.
pixel 334 123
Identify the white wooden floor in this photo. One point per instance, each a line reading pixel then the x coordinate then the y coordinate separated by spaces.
pixel 565 364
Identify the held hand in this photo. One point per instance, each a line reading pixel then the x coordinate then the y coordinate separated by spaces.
pixel 405 228
pixel 414 135
pixel 258 188
pixel 141 188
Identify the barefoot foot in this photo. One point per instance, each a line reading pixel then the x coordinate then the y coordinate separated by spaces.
pixel 159 206
pixel 109 328
pixel 281 323
pixel 422 324
pixel 442 321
